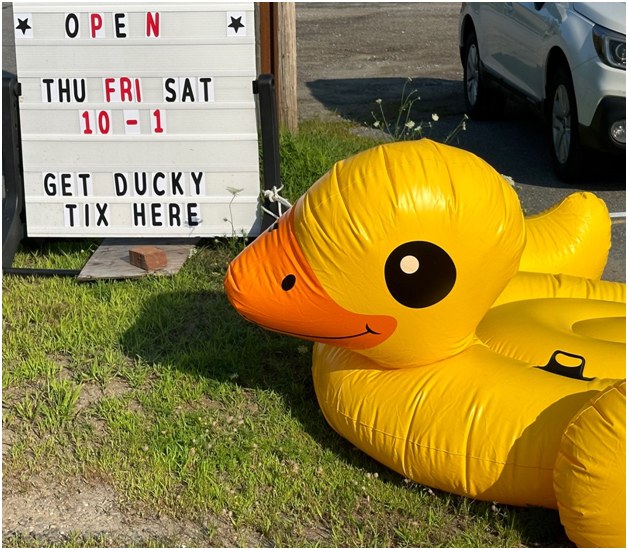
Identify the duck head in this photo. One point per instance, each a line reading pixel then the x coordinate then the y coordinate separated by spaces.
pixel 396 253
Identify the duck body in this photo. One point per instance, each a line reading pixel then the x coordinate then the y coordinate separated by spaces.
pixel 404 264
pixel 497 440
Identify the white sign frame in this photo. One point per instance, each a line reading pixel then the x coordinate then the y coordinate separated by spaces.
pixel 94 101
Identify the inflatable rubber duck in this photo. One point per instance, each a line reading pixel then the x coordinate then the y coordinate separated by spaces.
pixel 404 264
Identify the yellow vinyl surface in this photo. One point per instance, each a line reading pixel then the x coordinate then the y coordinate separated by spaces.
pixel 458 343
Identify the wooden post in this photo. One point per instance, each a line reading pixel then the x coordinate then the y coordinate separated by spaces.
pixel 287 65
pixel 266 33
pixel 278 56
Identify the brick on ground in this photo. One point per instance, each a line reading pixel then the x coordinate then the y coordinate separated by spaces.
pixel 148 257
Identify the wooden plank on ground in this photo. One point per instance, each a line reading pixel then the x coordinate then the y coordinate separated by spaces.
pixel 111 259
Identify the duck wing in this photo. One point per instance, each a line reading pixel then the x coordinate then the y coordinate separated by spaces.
pixel 531 286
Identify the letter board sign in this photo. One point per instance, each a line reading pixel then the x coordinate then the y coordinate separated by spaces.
pixel 138 119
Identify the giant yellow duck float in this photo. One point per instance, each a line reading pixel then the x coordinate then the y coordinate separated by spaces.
pixel 463 346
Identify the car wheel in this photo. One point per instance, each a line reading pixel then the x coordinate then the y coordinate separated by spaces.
pixel 562 114
pixel 481 102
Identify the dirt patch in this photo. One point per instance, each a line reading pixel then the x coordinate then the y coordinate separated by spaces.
pixel 201 405
pixel 61 359
pixel 116 388
pixel 7 440
pixel 50 510
pixel 92 393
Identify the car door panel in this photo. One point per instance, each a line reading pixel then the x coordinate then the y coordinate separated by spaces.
pixel 491 39
pixel 534 27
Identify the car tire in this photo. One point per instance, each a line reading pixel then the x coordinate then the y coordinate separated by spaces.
pixel 562 115
pixel 482 103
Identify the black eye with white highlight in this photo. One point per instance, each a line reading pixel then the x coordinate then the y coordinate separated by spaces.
pixel 419 274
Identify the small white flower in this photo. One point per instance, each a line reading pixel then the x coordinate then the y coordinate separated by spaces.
pixel 378 101
pixel 303 349
pixel 376 124
pixel 434 117
pixel 509 180
pixel 464 125
pixel 410 124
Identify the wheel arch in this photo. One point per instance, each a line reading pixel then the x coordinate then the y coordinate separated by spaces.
pixel 555 58
pixel 467 28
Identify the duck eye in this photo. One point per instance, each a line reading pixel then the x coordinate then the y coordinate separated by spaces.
pixel 288 282
pixel 419 274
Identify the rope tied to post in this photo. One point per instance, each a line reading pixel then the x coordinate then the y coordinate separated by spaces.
pixel 273 196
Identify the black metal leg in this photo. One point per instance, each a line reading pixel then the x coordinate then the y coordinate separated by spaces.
pixel 13 223
pixel 264 86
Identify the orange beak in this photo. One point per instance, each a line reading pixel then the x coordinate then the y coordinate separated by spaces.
pixel 272 284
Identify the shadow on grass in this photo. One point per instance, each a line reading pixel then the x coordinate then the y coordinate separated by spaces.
pixel 202 336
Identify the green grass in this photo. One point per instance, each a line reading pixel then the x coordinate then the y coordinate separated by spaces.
pixel 159 388
pixel 306 157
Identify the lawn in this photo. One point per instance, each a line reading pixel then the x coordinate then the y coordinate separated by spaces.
pixel 195 423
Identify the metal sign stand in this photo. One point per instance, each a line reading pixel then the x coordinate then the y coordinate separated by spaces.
pixel 264 87
pixel 13 224
pixel 13 213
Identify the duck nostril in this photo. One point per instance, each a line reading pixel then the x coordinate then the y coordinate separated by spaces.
pixel 288 282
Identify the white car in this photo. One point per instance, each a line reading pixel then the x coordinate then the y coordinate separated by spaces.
pixel 567 59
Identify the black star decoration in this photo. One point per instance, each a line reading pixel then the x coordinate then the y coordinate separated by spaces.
pixel 23 25
pixel 236 23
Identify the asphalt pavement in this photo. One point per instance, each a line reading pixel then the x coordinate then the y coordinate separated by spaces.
pixel 351 54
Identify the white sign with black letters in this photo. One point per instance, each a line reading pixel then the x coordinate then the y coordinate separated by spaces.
pixel 138 119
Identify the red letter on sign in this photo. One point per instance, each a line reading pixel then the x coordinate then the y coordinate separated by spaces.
pixel 87 129
pixel 125 88
pixel 108 89
pixel 96 23
pixel 104 124
pixel 152 24
pixel 138 91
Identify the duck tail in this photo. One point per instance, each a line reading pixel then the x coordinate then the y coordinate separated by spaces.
pixel 573 238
